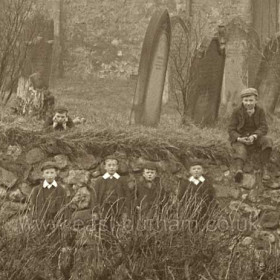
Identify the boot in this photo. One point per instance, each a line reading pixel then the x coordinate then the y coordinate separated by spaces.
pixel 239 173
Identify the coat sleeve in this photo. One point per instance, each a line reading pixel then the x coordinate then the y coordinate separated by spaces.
pixel 232 128
pixel 96 196
pixel 263 127
pixel 70 123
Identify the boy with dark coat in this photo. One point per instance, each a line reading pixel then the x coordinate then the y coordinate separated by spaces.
pixel 248 127
pixel 197 195
pixel 110 195
pixel 59 120
pixel 48 198
pixel 150 195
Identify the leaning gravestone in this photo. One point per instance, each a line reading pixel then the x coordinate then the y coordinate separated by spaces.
pixel 207 70
pixel 241 44
pixel 268 77
pixel 32 93
pixel 147 101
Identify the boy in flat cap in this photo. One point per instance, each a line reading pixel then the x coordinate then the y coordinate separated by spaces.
pixel 48 198
pixel 110 194
pixel 59 120
pixel 150 195
pixel 197 193
pixel 248 127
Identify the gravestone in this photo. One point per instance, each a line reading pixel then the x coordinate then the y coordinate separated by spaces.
pixel 241 45
pixel 147 101
pixel 32 93
pixel 207 70
pixel 268 76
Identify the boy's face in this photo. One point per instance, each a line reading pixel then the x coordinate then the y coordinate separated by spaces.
pixel 196 171
pixel 49 174
pixel 249 102
pixel 61 117
pixel 111 166
pixel 149 174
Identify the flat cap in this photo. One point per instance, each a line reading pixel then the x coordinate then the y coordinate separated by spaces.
pixel 48 165
pixel 112 157
pixel 248 92
pixel 150 165
pixel 61 109
pixel 194 162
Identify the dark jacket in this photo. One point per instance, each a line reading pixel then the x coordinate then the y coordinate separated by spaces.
pixel 237 122
pixel 150 196
pixel 110 197
pixel 47 203
pixel 196 201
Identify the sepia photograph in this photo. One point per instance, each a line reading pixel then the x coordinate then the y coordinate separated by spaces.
pixel 139 140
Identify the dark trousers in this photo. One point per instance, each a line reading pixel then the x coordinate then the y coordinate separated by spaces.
pixel 264 144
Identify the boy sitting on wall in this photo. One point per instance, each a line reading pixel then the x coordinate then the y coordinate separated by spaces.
pixel 248 127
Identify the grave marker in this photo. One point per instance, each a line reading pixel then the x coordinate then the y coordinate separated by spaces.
pixel 147 101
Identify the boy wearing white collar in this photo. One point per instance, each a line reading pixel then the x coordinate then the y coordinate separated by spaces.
pixel 48 198
pixel 110 193
pixel 197 191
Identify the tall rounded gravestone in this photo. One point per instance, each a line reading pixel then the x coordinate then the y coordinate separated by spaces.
pixel 147 100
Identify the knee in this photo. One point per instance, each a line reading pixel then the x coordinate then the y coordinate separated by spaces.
pixel 240 150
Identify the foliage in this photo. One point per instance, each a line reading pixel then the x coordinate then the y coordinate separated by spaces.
pixel 14 15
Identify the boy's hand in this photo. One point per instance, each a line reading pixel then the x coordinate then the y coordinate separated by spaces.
pixel 64 126
pixel 244 140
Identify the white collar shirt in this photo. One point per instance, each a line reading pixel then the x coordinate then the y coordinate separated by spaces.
pixel 48 186
pixel 201 179
pixel 108 176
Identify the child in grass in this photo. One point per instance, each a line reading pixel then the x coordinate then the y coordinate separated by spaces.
pixel 59 120
pixel 48 198
pixel 196 195
pixel 150 196
pixel 110 197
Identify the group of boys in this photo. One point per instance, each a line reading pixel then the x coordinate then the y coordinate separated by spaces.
pixel 113 199
pixel 111 195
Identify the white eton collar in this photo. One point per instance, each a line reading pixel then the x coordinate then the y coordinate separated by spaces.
pixel 197 181
pixel 107 176
pixel 47 185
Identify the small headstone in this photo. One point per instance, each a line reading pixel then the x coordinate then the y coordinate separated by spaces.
pixel 61 161
pixel 270 220
pixel 35 155
pixel 7 178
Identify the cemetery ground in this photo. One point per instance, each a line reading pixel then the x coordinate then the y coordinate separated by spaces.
pixel 242 242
